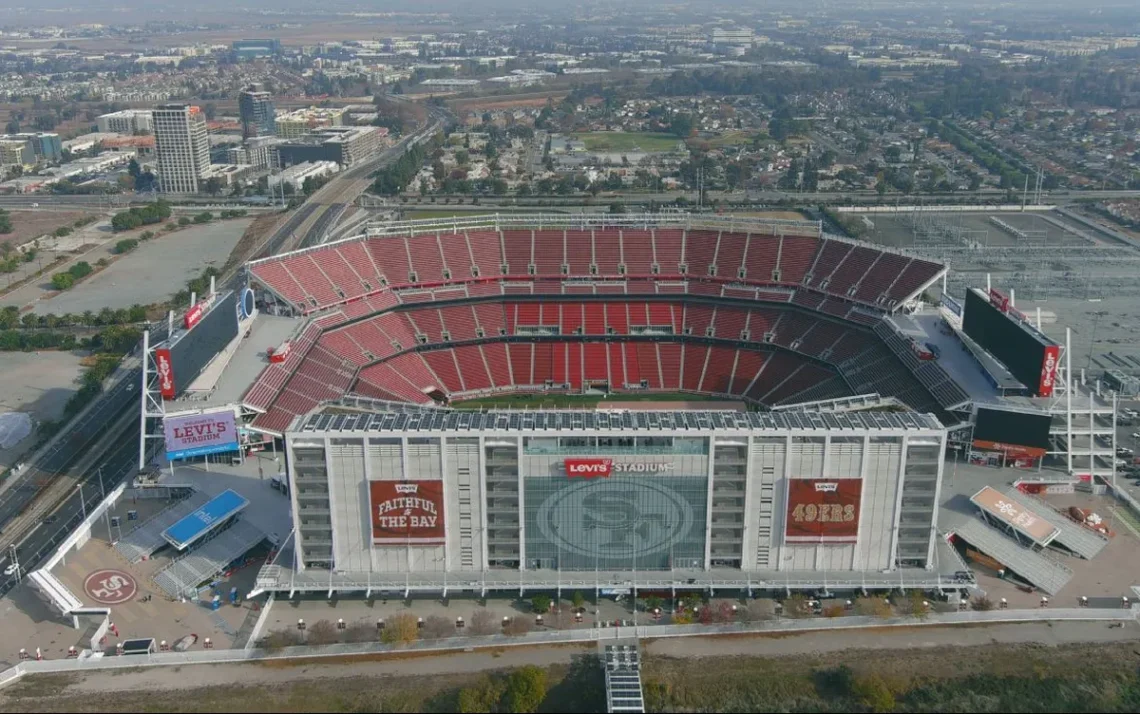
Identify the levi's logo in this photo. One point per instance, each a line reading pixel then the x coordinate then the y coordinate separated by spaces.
pixel 828 487
pixel 588 468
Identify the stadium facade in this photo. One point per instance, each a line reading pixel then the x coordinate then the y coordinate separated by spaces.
pixel 494 500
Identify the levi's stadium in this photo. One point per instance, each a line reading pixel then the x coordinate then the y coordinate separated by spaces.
pixel 541 402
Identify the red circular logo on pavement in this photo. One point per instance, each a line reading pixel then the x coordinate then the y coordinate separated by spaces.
pixel 110 587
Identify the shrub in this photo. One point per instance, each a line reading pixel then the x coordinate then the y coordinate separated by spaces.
pixel 184 221
pixel 62 231
pixel 321 632
pixel 204 217
pixel 873 606
pixel 126 245
pixel 518 625
pixel 437 627
pixel 796 605
pixel 402 629
pixel 280 639
pixel 981 604
pixel 833 611
pixel 874 693
pixel 540 604
pixel 62 281
pixel 526 688
pixel 80 270
pixel 482 622
pixel 482 697
pixel 146 235
pixel 360 632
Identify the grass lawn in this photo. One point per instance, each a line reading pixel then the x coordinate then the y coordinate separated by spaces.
pixel 728 138
pixel 628 141
pixel 575 401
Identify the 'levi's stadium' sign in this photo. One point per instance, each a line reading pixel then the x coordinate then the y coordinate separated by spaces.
pixel 602 468
pixel 407 512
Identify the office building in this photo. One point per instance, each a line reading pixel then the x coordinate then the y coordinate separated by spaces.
pixel 253 48
pixel 16 152
pixel 257 114
pixel 183 147
pixel 305 121
pixel 260 152
pixel 45 146
pixel 128 121
pixel 732 36
pixel 345 145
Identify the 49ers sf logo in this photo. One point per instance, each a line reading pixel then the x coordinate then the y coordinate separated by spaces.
pixel 110 587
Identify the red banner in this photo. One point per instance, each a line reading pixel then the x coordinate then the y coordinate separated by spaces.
pixel 1013 451
pixel 165 373
pixel 1049 370
pixel 999 300
pixel 588 468
pixel 407 512
pixel 823 510
pixel 194 315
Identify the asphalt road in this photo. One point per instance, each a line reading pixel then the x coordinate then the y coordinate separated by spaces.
pixel 120 462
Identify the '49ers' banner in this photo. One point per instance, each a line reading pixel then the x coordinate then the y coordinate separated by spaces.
pixel 406 512
pixel 823 510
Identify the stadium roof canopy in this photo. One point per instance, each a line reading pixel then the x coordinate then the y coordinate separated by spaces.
pixel 609 421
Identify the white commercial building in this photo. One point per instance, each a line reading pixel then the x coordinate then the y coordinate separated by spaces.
pixel 483 501
pixel 295 175
pixel 183 147
pixel 128 121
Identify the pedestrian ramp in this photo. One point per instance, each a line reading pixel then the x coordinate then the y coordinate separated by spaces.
pixel 622 663
pixel 1043 572
pixel 208 560
pixel 147 538
pixel 1072 536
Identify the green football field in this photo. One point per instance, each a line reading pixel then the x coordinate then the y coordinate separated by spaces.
pixel 628 141
pixel 577 401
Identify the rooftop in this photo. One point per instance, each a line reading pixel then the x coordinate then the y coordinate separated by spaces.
pixel 603 421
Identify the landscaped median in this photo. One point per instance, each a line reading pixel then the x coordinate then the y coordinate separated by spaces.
pixel 784 626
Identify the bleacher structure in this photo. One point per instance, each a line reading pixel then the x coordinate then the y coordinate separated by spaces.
pixel 1074 537
pixel 430 311
pixel 204 562
pixel 622 664
pixel 147 538
pixel 1035 567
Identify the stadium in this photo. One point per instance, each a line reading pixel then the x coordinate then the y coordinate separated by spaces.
pixel 759 406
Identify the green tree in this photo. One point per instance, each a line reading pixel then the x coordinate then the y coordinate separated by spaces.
pixel 526 688
pixel 540 603
pixel 481 697
pixel 62 281
pixel 874 693
pixel 681 125
pixel 578 599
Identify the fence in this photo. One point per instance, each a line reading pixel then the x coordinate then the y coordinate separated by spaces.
pixel 1002 208
pixel 79 537
pixel 167 659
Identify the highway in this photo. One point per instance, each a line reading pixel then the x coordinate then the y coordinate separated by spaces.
pixel 345 189
pixel 46 490
pixel 327 204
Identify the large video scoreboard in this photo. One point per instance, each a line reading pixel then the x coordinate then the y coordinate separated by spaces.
pixel 996 326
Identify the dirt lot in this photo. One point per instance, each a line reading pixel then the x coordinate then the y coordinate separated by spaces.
pixel 780 215
pixel 27 225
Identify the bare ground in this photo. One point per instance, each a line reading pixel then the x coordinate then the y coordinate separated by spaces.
pixel 27 225
pixel 683 672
